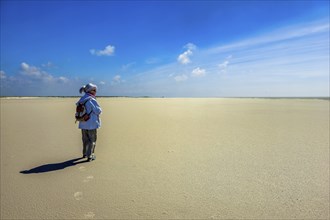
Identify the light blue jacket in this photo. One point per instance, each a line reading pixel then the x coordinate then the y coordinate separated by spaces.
pixel 91 107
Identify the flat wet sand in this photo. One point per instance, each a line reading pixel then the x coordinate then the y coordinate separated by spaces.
pixel 167 159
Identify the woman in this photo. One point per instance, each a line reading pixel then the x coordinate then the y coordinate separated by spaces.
pixel 89 127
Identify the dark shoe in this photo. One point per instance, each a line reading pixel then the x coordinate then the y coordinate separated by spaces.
pixel 91 158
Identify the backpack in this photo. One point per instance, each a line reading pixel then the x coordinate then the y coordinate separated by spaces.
pixel 81 112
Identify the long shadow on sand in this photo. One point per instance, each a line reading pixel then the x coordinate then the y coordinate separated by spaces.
pixel 54 166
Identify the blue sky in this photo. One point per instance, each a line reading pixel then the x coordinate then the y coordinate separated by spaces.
pixel 165 48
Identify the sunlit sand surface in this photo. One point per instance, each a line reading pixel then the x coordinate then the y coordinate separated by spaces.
pixel 167 159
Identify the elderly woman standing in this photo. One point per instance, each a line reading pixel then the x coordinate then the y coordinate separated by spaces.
pixel 90 126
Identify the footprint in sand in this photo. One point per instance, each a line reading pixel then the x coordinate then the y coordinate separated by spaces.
pixel 89 178
pixel 78 195
pixel 89 215
pixel 82 168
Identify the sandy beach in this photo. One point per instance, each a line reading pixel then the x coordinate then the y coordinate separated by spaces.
pixel 167 158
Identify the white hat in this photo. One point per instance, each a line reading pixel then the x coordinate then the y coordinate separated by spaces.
pixel 87 88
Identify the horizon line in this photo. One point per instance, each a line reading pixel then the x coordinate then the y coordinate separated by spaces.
pixel 238 97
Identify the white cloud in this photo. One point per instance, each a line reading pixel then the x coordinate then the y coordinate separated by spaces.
pixel 102 83
pixel 224 65
pixel 190 46
pixel 48 65
pixel 36 73
pixel 30 70
pixel 63 79
pixel 198 72
pixel 117 80
pixel 181 78
pixel 108 51
pixel 184 58
pixel 128 66
pixel 153 60
pixel 3 75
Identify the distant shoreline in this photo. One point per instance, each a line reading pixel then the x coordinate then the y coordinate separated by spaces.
pixel 35 97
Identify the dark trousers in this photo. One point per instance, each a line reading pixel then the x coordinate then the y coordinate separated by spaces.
pixel 89 141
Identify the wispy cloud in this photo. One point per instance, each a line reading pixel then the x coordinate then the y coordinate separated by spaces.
pixel 48 65
pixel 63 79
pixel 190 46
pixel 109 50
pixel 3 75
pixel 153 60
pixel 198 72
pixel 224 65
pixel 117 79
pixel 276 36
pixel 286 56
pixel 127 66
pixel 181 78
